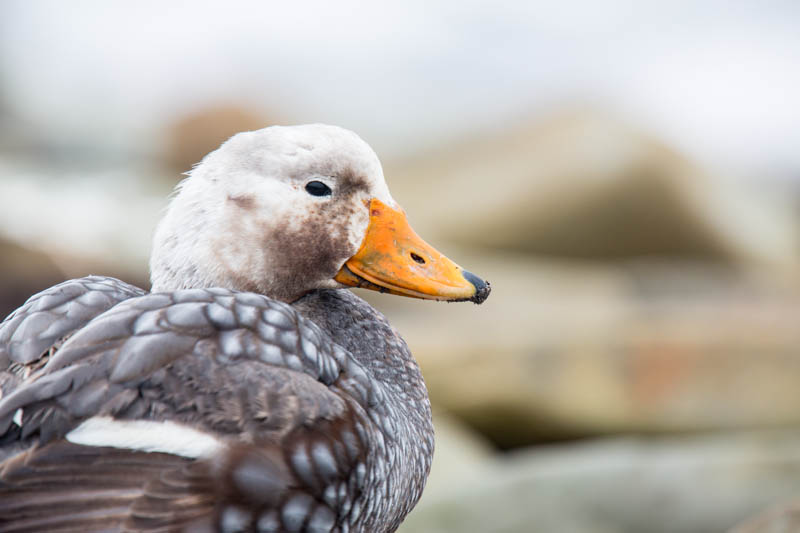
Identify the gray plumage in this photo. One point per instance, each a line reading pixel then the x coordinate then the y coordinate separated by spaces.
pixel 48 318
pixel 323 435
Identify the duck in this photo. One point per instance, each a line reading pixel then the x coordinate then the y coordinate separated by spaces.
pixel 250 389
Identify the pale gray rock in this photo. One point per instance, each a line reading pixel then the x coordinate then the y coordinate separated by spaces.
pixel 691 484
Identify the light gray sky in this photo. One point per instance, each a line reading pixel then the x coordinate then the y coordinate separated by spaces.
pixel 719 80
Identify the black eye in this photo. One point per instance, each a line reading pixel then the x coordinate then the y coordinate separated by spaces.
pixel 317 188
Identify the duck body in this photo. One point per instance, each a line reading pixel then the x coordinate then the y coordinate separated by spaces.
pixel 206 406
pixel 235 367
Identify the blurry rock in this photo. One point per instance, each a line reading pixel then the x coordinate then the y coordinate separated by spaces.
pixel 459 453
pixel 672 485
pixel 81 222
pixel 564 350
pixel 23 272
pixel 584 184
pixel 190 138
pixel 781 518
pixel 674 324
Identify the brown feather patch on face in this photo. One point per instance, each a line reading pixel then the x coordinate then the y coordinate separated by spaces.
pixel 285 251
pixel 311 249
pixel 315 247
pixel 350 182
pixel 244 201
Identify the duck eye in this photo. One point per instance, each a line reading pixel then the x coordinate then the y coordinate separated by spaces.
pixel 317 188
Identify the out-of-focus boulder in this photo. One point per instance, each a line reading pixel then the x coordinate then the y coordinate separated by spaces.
pixel 781 518
pixel 630 288
pixel 98 222
pixel 460 452
pixel 672 485
pixel 23 272
pixel 584 184
pixel 565 349
pixel 194 135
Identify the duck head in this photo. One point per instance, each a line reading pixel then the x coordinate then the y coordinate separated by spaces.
pixel 285 210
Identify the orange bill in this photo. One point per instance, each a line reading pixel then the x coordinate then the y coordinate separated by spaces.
pixel 394 259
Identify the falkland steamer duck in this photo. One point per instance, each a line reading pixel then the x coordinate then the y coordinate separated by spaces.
pixel 249 391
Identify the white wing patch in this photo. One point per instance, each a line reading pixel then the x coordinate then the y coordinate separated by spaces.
pixel 145 436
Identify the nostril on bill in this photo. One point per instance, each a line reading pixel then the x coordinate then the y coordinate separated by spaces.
pixel 417 258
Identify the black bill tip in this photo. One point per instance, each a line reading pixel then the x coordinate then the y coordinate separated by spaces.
pixel 482 288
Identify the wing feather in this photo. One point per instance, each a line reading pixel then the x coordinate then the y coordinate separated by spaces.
pixel 246 369
pixel 32 333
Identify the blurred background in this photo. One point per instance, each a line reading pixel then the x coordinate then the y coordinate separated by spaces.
pixel 625 173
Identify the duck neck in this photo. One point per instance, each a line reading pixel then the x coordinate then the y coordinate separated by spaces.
pixel 367 335
pixel 362 330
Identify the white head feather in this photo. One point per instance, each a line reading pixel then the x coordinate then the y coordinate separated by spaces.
pixel 244 220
